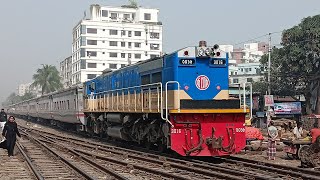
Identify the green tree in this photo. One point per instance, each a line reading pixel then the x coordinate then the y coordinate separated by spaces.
pixel 47 78
pixel 27 96
pixel 132 4
pixel 12 99
pixel 295 66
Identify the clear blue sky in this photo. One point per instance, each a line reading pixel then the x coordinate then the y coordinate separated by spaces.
pixel 36 32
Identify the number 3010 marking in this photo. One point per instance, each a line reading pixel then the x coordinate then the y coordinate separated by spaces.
pixel 175 131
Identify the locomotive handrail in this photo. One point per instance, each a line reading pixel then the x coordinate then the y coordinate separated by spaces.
pixel 171 82
pixel 121 92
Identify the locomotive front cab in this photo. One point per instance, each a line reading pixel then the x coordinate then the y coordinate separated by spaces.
pixel 206 122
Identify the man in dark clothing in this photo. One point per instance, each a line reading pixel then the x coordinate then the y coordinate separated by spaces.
pixel 10 131
pixel 3 119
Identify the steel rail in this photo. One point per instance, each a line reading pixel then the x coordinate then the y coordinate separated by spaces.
pixel 29 162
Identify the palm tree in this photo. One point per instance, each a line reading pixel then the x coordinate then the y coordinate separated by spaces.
pixel 47 78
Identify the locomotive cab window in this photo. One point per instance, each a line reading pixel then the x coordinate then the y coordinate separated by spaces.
pixel 157 77
pixel 145 79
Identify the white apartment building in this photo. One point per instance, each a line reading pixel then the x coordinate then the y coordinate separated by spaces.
pixel 253 52
pixel 247 72
pixel 23 89
pixel 114 37
pixel 26 88
pixel 65 72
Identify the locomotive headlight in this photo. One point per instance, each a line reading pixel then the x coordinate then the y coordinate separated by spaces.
pixel 201 52
pixel 208 52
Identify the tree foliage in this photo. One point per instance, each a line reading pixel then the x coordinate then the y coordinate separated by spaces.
pixel 47 78
pixel 132 4
pixel 295 66
pixel 13 98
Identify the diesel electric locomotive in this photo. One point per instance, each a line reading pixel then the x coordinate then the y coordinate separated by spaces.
pixel 179 101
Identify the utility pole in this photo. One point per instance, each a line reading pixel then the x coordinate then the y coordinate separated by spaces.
pixel 269 65
pixel 269 85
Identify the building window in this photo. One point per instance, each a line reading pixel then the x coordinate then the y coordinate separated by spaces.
pixel 137 33
pixel 104 13
pixel 123 32
pixel 82 52
pixel 154 35
pixel 123 65
pixel 103 52
pixel 92 42
pixel 147 16
pixel 137 56
pixel 113 54
pixel 113 32
pixel 250 69
pixel 153 56
pixel 92 53
pixel 113 43
pixel 103 30
pixel 235 80
pixel 92 31
pixel 129 44
pixel 114 16
pixel 103 41
pixel 91 76
pixel 249 79
pixel 129 33
pixel 123 55
pixel 126 16
pixel 123 44
pixel 92 65
pixel 154 46
pixel 129 55
pixel 83 64
pixel 113 66
pixel 137 45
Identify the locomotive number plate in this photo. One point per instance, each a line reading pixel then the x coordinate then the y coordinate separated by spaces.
pixel 175 131
pixel 218 62
pixel 187 62
pixel 240 129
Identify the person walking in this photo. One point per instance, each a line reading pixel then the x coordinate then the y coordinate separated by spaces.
pixel 10 131
pixel 273 134
pixel 3 119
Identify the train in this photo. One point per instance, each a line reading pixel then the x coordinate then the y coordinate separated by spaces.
pixel 179 101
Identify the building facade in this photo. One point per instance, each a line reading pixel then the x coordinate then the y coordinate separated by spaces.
pixel 23 89
pixel 66 71
pixel 113 37
pixel 247 72
pixel 26 88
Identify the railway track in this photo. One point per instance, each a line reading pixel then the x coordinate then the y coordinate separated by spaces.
pixel 54 162
pixel 184 168
pixel 132 166
pixel 14 167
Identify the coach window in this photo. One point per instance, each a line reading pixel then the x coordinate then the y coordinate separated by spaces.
pixel 156 77
pixel 145 79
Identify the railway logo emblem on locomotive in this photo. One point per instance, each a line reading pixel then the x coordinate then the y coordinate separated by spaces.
pixel 202 82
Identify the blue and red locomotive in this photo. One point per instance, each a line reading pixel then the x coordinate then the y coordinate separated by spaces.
pixel 179 101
